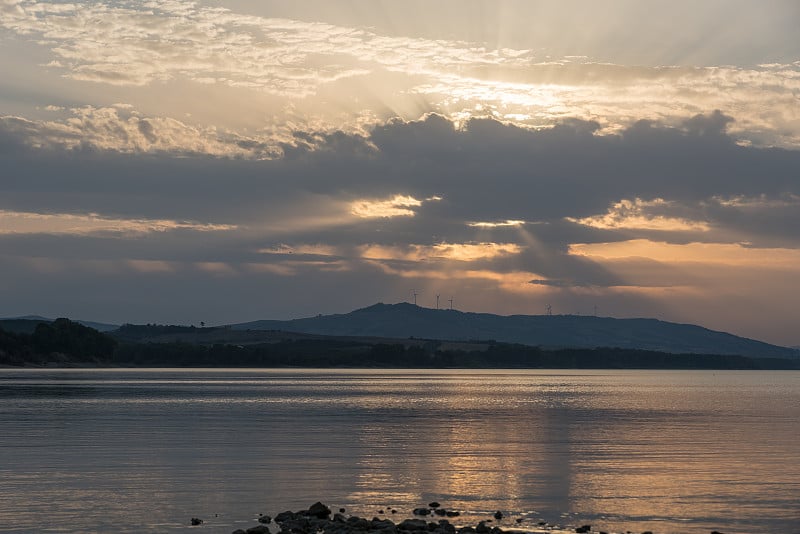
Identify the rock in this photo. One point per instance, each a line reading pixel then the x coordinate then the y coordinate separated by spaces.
pixel 716 532
pixel 342 510
pixel 413 524
pixel 440 511
pixel 421 511
pixel 584 528
pixel 452 513
pixel 518 520
pixel 358 523
pixel 394 511
pixel 380 524
pixel 339 518
pixel 285 516
pixel 434 504
pixel 319 510
pixel 260 529
pixel 196 521
pixel 380 512
pixel 238 531
pixel 265 519
pixel 498 515
pixel 482 528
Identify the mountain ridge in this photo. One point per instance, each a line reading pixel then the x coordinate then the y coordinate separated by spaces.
pixel 404 320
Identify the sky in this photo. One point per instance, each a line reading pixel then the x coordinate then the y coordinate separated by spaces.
pixel 225 161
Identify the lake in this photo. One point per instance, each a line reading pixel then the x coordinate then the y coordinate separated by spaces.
pixel 146 450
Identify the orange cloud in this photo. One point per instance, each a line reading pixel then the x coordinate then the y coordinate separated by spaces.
pixel 397 206
pixel 637 214
pixel 465 252
pixel 713 253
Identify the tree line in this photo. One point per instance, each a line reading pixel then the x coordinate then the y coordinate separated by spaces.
pixel 64 342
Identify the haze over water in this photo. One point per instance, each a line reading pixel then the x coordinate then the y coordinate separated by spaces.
pixel 143 451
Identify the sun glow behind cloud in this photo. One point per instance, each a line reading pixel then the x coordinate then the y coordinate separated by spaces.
pixel 498 224
pixel 397 206
pixel 464 252
pixel 326 77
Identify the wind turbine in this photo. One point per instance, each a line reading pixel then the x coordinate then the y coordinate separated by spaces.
pixel 414 293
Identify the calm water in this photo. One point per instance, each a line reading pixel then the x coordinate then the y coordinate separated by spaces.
pixel 143 451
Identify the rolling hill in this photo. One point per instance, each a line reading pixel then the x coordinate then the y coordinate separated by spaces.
pixel 407 320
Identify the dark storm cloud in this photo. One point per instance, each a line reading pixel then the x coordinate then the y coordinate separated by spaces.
pixel 486 171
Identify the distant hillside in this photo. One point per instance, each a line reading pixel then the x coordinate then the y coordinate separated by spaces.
pixel 407 320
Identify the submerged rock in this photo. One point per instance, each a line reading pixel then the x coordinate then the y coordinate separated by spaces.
pixel 421 511
pixel 196 521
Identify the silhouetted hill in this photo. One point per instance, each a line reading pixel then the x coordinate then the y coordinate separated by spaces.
pixel 407 320
pixel 27 324
pixel 61 342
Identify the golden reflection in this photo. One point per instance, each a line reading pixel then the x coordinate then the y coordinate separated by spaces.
pixel 466 450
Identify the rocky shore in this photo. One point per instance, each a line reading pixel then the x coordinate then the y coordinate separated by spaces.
pixel 433 519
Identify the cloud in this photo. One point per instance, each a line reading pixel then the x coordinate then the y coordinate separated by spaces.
pixel 498 224
pixel 638 214
pixel 559 283
pixel 397 206
pixel 122 129
pixel 155 41
pixel 14 222
pixel 728 254
pixel 465 252
pixel 322 77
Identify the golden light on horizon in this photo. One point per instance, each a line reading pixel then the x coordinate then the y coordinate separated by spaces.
pixel 711 253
